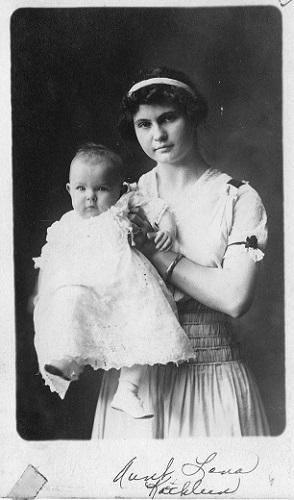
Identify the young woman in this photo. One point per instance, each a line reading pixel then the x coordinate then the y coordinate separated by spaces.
pixel 211 269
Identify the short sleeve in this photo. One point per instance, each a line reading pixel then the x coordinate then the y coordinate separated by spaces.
pixel 248 229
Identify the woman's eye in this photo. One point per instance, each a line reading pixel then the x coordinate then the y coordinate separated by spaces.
pixel 143 124
pixel 169 118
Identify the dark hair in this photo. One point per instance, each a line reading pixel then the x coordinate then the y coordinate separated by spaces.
pixel 193 105
pixel 90 151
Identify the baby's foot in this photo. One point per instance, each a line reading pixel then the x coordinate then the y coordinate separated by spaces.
pixel 67 370
pixel 129 402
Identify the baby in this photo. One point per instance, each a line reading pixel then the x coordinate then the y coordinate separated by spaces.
pixel 100 302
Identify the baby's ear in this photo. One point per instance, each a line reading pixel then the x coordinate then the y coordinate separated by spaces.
pixel 68 187
pixel 124 188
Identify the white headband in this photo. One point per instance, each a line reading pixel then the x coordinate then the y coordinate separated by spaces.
pixel 160 81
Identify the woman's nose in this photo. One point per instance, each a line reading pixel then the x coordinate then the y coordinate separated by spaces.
pixel 159 133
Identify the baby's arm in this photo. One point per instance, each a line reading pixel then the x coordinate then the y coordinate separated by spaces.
pixel 163 240
pixel 160 217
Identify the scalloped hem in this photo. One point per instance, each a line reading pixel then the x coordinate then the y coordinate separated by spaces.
pixel 60 386
pixel 55 384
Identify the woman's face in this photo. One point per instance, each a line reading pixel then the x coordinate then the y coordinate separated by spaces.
pixel 164 133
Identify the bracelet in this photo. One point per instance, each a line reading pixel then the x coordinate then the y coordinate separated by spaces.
pixel 171 266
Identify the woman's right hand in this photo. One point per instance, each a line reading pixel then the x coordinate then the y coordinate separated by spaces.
pixel 143 232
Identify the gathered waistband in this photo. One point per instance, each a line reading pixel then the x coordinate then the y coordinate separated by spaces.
pixel 210 333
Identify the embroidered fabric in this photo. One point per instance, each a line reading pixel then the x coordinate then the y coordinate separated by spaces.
pixel 100 302
pixel 155 209
pixel 214 394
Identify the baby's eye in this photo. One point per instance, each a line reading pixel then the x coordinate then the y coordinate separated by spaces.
pixel 102 188
pixel 80 188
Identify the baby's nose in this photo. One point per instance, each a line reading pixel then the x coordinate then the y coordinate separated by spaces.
pixel 92 196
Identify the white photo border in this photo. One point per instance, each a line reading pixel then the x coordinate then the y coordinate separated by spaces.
pixel 86 469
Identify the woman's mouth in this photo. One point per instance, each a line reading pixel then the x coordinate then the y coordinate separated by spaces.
pixel 165 148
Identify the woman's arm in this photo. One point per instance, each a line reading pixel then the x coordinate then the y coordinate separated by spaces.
pixel 229 289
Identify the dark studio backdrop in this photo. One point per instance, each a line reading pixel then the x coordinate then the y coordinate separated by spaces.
pixel 70 68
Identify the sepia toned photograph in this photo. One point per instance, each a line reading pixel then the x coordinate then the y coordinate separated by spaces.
pixel 148 197
pixel 190 111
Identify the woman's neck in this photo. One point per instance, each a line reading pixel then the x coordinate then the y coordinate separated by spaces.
pixel 175 177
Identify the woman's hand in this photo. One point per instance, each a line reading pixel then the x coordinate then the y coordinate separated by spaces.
pixel 143 232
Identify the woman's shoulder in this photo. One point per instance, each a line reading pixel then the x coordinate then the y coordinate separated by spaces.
pixel 244 192
pixel 246 207
pixel 214 184
pixel 234 186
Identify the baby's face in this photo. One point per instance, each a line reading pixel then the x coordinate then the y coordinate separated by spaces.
pixel 93 187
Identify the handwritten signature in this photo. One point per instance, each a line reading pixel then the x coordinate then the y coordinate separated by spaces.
pixel 199 471
pixel 283 3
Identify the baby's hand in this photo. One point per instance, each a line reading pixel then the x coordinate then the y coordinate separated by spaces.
pixel 163 241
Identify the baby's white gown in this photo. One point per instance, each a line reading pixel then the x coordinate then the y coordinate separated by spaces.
pixel 100 302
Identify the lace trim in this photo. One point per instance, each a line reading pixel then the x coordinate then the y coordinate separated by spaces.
pixel 37 262
pixel 250 247
pixel 60 386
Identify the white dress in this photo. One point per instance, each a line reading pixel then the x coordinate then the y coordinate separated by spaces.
pixel 214 394
pixel 100 302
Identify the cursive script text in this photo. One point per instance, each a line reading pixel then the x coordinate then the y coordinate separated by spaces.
pixel 190 478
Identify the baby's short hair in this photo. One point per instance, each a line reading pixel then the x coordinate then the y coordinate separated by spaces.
pixel 91 152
